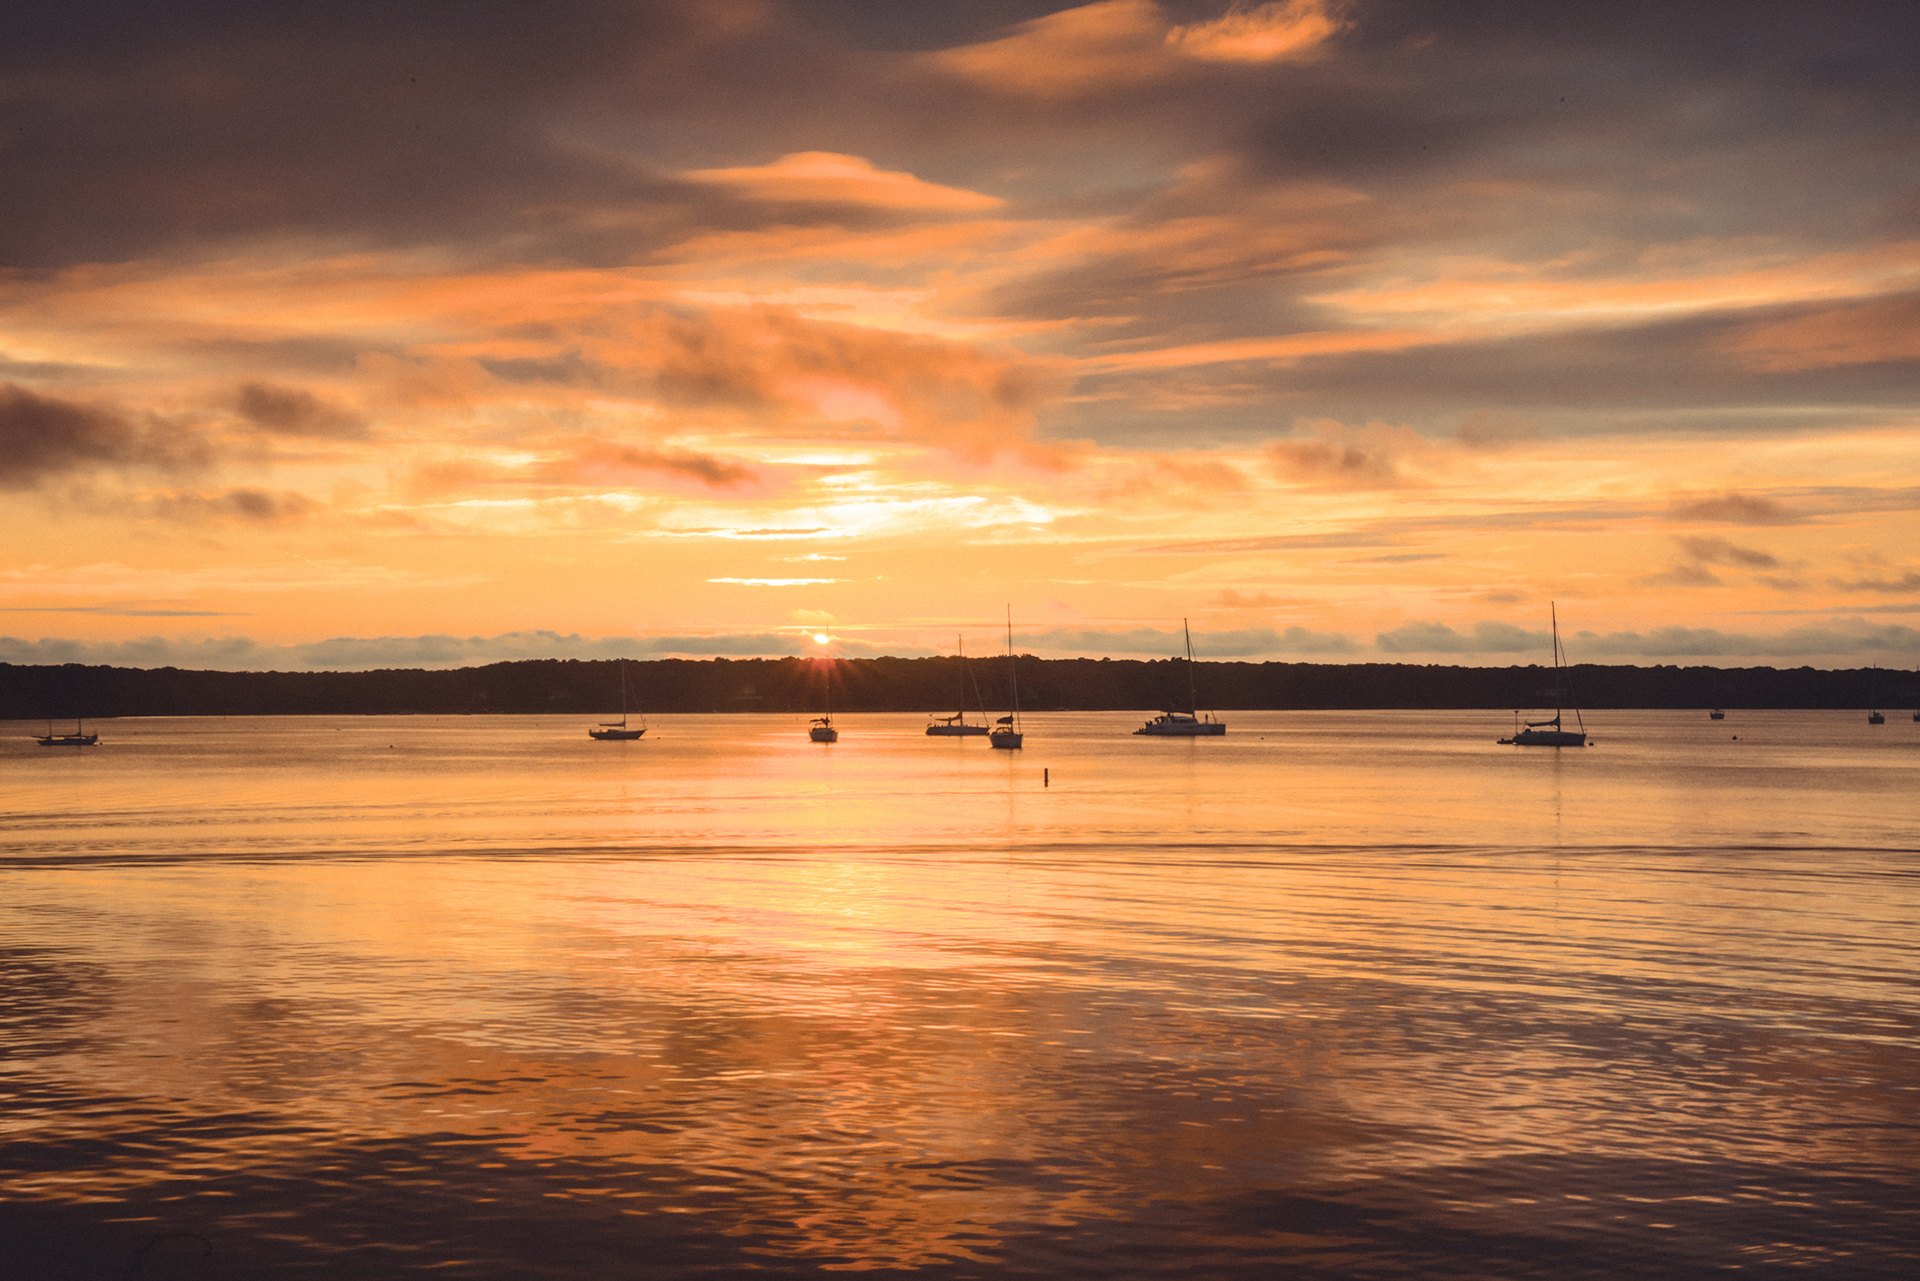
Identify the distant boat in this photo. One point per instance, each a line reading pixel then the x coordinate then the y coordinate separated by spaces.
pixel 820 729
pixel 1873 698
pixel 1006 731
pixel 1875 718
pixel 79 737
pixel 617 731
pixel 955 726
pixel 1549 733
pixel 1187 724
pixel 1716 715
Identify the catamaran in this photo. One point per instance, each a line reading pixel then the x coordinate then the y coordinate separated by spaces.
pixel 1187 724
pixel 617 731
pixel 1006 731
pixel 956 726
pixel 1550 733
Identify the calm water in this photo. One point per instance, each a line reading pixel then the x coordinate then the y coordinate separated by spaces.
pixel 1338 995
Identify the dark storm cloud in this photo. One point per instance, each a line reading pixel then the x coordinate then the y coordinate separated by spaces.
pixel 42 437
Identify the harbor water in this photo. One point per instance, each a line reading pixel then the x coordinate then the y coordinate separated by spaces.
pixel 1339 994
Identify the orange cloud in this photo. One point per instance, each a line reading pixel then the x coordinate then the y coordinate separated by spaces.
pixel 962 398
pixel 827 177
pixel 1288 31
pixel 1110 44
pixel 1342 457
pixel 1881 330
pixel 1121 44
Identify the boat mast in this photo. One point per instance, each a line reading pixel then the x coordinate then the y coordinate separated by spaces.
pixel 1559 694
pixel 1013 669
pixel 1193 692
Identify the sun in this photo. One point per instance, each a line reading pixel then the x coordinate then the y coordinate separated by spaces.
pixel 821 638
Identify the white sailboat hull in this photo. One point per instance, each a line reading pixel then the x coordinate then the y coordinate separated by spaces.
pixel 1006 738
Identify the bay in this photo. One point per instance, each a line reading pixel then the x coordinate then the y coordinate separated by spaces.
pixel 1339 994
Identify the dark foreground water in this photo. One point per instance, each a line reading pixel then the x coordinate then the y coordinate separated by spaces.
pixel 1339 995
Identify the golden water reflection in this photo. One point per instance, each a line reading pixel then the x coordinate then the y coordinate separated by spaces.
pixel 899 1010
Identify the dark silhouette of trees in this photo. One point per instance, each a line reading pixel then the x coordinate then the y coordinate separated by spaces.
pixel 912 685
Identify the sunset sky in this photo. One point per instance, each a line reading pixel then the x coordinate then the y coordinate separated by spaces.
pixel 371 334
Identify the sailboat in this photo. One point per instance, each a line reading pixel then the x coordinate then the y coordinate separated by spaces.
pixel 1187 724
pixel 1006 731
pixel 956 726
pixel 1874 716
pixel 1549 733
pixel 617 731
pixel 79 737
pixel 820 729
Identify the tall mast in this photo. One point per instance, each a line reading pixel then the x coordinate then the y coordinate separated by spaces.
pixel 1193 693
pixel 1559 695
pixel 1013 668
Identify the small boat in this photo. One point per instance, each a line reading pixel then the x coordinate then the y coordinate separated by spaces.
pixel 956 726
pixel 1875 718
pixel 79 737
pixel 617 731
pixel 1716 715
pixel 820 729
pixel 1006 731
pixel 1551 733
pixel 1187 724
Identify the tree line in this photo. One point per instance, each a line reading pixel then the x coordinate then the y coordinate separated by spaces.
pixel 586 687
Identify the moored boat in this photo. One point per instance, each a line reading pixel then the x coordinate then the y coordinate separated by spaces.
pixel 617 731
pixel 1190 723
pixel 956 726
pixel 820 729
pixel 1552 733
pixel 79 737
pixel 1006 731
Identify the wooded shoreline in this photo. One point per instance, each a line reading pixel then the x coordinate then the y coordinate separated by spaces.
pixel 919 685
